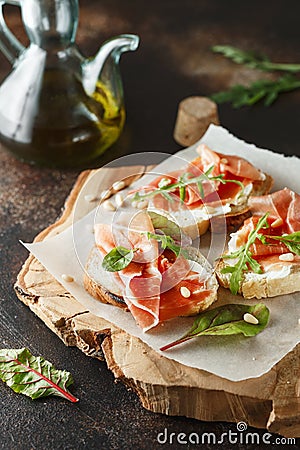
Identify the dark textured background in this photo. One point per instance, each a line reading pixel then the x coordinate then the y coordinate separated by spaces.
pixel 174 61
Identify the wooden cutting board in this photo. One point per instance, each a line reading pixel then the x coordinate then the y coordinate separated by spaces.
pixel 271 401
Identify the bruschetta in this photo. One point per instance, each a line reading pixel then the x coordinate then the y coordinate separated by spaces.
pixel 212 190
pixel 138 267
pixel 263 257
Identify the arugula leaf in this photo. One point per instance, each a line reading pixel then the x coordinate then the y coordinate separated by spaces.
pixel 244 257
pixel 182 183
pixel 292 241
pixel 165 241
pixel 120 257
pixel 224 321
pixel 268 90
pixel 252 60
pixel 117 259
pixel 33 376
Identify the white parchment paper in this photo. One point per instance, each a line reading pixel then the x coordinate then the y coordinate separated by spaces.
pixel 234 357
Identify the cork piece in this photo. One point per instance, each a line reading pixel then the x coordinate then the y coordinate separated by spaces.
pixel 271 401
pixel 194 116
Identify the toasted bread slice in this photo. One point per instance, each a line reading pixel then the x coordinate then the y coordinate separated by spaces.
pixel 196 222
pixel 269 284
pixel 101 285
pixel 239 213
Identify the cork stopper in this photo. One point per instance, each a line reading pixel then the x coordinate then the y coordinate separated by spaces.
pixel 194 116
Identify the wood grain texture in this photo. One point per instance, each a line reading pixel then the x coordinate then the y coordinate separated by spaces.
pixel 163 385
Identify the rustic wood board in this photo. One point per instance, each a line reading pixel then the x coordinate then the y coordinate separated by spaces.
pixel 271 401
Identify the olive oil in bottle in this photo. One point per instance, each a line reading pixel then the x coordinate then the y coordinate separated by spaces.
pixel 65 127
pixel 57 107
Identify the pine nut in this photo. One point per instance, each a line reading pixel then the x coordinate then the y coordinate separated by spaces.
pixel 185 292
pixel 67 278
pixel 249 318
pixel 105 194
pixel 287 257
pixel 119 199
pixel 277 223
pixel 118 185
pixel 142 204
pixel 108 205
pixel 90 198
pixel 164 182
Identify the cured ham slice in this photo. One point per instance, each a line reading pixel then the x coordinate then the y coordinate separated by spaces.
pixel 258 248
pixel 231 166
pixel 283 205
pixel 152 282
pixel 141 278
pixel 283 208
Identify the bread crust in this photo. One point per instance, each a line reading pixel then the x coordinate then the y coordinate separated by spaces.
pixel 101 293
pixel 94 287
pixel 260 286
pixel 239 213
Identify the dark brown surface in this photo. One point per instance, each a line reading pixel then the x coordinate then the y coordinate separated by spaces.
pixel 173 62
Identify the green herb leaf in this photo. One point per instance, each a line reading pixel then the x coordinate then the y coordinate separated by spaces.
pixel 253 60
pixel 117 259
pixel 120 257
pixel 165 241
pixel 292 241
pixel 165 225
pixel 226 320
pixel 182 193
pixel 182 183
pixel 33 376
pixel 240 95
pixel 244 257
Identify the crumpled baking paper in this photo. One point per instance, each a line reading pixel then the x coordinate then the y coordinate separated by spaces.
pixel 233 357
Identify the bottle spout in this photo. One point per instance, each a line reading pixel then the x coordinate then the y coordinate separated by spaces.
pixel 113 48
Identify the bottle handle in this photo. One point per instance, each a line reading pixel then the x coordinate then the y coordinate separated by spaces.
pixel 9 44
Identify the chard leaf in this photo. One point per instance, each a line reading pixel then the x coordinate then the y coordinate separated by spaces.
pixel 117 259
pixel 33 376
pixel 165 225
pixel 224 321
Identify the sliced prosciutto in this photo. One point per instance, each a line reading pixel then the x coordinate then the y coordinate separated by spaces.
pixel 151 283
pixel 283 208
pixel 230 166
pixel 141 279
pixel 259 249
